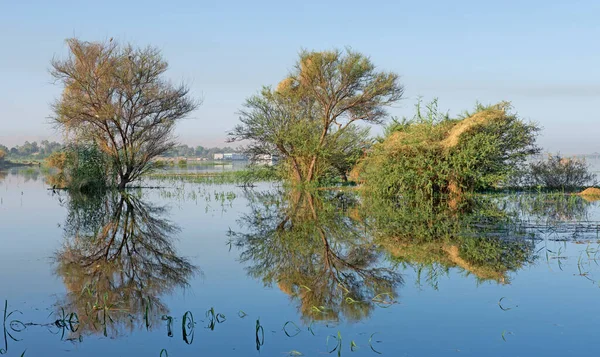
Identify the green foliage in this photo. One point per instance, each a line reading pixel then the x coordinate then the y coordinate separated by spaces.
pixel 310 246
pixel 247 177
pixel 347 150
pixel 432 154
pixel 32 150
pixel 479 235
pixel 82 168
pixel 309 120
pixel 557 172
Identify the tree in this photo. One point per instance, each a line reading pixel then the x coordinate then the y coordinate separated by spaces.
pixel 2 155
pixel 559 172
pixel 350 147
pixel 325 95
pixel 117 98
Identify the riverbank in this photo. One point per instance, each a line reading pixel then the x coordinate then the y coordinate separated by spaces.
pixel 11 164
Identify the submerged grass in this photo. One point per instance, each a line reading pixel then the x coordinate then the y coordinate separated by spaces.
pixel 259 334
pixel 241 177
pixel 188 327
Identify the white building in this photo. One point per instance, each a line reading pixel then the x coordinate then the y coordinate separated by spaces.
pixel 266 159
pixel 231 156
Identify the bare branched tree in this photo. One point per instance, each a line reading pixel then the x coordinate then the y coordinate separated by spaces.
pixel 117 98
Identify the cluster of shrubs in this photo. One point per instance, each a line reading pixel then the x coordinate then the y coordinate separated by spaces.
pixel 434 154
pixel 554 172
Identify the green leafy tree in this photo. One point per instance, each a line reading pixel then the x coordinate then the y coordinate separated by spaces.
pixel 118 98
pixel 325 95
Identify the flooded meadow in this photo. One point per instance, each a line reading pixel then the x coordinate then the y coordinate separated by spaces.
pixel 186 267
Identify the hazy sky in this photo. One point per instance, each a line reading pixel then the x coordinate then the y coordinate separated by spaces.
pixel 544 56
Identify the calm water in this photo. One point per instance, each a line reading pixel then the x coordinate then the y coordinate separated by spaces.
pixel 522 280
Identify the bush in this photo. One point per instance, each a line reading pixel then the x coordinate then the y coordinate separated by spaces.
pixel 2 155
pixel 158 164
pixel 82 168
pixel 558 172
pixel 182 162
pixel 433 154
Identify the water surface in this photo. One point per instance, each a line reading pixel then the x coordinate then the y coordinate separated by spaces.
pixel 115 275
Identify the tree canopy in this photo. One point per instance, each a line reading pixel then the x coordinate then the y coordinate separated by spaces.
pixel 323 98
pixel 116 97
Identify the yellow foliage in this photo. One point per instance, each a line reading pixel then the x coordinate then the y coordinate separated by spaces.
pixel 453 137
pixel 590 194
pixel 57 160
pixel 447 255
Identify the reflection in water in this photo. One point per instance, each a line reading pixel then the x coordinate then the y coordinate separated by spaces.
pixel 480 237
pixel 27 173
pixel 325 250
pixel 316 253
pixel 553 208
pixel 117 261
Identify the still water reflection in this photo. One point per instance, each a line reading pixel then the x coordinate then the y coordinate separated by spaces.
pixel 227 271
pixel 117 261
pixel 315 253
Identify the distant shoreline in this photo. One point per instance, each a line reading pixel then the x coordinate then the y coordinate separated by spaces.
pixel 10 164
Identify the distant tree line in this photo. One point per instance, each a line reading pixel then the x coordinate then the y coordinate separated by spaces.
pixel 198 151
pixel 32 149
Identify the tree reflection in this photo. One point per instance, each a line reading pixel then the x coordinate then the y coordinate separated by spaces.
pixel 117 261
pixel 316 253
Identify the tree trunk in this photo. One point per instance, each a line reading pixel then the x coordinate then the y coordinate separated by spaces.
pixel 123 181
pixel 296 170
pixel 311 169
pixel 344 176
pixel 313 163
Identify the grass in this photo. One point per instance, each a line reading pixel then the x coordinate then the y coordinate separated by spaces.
pixel 371 343
pixel 188 327
pixel 246 177
pixel 291 331
pixel 214 318
pixel 260 335
pixel 338 345
pixel 11 326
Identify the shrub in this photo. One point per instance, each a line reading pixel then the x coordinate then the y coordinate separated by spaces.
pixel 558 172
pixel 82 168
pixel 159 164
pixel 433 154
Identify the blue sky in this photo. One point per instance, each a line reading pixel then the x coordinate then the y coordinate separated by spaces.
pixel 544 56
